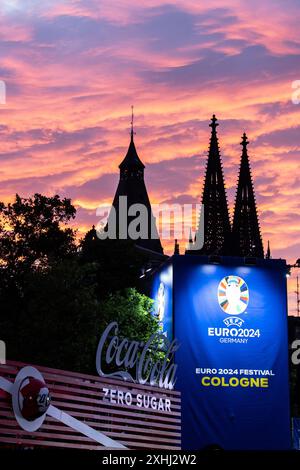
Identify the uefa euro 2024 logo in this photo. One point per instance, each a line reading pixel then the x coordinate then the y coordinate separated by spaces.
pixel 233 298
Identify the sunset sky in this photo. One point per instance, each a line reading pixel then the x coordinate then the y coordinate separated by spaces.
pixel 72 70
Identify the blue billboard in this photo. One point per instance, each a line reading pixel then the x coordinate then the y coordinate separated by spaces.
pixel 231 321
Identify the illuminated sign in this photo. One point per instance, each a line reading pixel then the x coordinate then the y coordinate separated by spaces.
pixel 137 356
pixel 233 295
pixel 144 401
pixel 231 322
pixel 136 362
pixel 163 301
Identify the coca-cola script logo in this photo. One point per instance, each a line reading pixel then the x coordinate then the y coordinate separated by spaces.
pixel 139 356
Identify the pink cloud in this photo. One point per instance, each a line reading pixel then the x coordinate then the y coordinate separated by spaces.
pixel 73 69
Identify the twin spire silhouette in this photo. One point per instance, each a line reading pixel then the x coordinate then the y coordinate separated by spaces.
pixel 243 238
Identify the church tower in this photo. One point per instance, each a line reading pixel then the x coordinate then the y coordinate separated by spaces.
pixel 246 238
pixel 132 185
pixel 217 230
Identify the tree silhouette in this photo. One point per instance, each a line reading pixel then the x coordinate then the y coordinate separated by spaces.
pixel 55 300
pixel 33 232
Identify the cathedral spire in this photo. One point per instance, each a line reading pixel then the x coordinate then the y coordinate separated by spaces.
pixel 217 230
pixel 246 238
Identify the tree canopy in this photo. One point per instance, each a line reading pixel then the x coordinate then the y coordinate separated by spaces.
pixel 62 318
pixel 33 231
pixel 56 299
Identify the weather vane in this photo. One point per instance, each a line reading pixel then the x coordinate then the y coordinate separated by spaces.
pixel 132 117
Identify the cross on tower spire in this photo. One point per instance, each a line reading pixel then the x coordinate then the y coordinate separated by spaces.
pixel 214 123
pixel 244 142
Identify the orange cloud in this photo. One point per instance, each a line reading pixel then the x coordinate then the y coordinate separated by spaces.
pixel 73 69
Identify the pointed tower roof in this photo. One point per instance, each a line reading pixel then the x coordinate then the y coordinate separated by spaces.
pixel 132 185
pixel 246 236
pixel 217 231
pixel 131 160
pixel 268 254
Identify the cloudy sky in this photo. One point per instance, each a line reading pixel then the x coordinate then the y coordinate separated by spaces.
pixel 73 68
